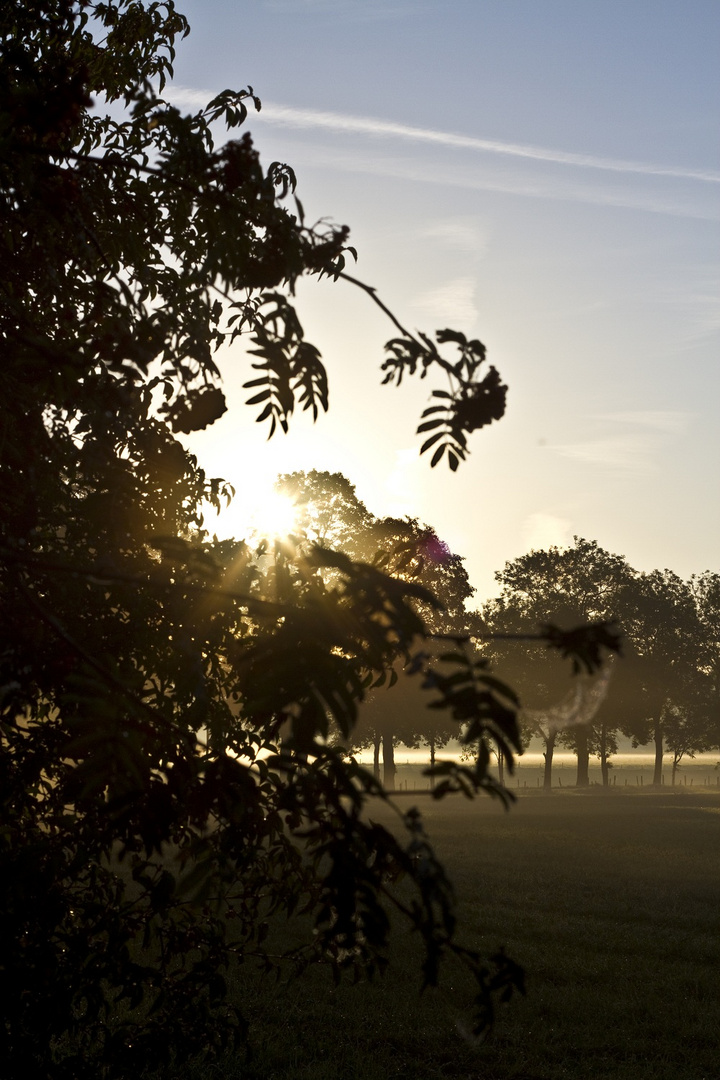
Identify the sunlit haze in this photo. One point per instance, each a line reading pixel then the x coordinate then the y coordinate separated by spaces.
pixel 544 176
pixel 261 513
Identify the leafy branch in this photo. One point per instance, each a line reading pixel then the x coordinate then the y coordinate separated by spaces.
pixel 474 399
pixel 289 366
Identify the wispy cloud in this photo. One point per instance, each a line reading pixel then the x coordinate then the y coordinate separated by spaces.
pixel 312 118
pixel 357 10
pixel 453 302
pixel 289 116
pixel 564 188
pixel 658 419
pixel 579 181
pixel 626 453
pixel 629 451
pixel 459 234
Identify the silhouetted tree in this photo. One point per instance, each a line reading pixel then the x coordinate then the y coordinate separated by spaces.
pixel 398 713
pixel 706 591
pixel 148 675
pixel 688 731
pixel 328 511
pixel 671 647
pixel 665 678
pixel 583 583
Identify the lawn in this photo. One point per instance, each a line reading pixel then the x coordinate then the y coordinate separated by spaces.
pixel 611 901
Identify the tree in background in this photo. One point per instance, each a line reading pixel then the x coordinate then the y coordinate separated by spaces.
pixel 706 591
pixel 672 662
pixel 593 727
pixel 583 583
pixel 688 731
pixel 328 511
pixel 663 690
pixel 396 712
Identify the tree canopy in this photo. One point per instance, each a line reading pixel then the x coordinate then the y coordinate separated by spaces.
pixel 662 689
pixel 146 674
pixel 168 786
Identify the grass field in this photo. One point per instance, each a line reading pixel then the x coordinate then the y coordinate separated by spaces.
pixel 611 901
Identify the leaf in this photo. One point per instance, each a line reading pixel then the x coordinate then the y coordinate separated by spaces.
pixel 431 441
pixel 437 455
pixel 455 336
pixel 257 398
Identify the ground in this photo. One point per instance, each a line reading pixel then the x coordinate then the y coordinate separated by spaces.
pixel 610 900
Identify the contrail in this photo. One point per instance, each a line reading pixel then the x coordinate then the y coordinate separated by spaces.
pixel 289 116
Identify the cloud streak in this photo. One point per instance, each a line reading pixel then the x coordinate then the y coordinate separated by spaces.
pixel 453 302
pixel 630 451
pixel 292 117
pixel 506 182
pixel 364 11
pixel 624 453
pixel 311 118
pixel 667 420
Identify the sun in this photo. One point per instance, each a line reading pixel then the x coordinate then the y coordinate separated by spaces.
pixel 273 516
pixel 258 511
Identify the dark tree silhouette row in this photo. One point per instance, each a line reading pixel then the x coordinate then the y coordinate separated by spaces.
pixel 662 691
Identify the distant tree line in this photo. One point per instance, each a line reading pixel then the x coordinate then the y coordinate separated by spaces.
pixel 662 691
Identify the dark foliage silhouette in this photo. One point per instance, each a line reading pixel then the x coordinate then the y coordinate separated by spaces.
pixel 167 784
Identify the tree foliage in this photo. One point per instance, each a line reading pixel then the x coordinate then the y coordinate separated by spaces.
pixel 557 589
pixel 396 709
pixel 662 688
pixel 674 663
pixel 168 788
pixel 148 804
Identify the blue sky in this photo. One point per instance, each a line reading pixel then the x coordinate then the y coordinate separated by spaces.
pixel 544 175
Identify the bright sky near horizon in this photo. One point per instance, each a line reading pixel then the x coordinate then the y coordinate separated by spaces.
pixel 542 174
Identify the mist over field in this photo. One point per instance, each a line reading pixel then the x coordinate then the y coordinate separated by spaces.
pixel 629 770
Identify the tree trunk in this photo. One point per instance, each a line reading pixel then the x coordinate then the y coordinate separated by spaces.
pixel 548 755
pixel 388 747
pixel 604 769
pixel 583 757
pixel 432 761
pixel 376 757
pixel 501 766
pixel 658 737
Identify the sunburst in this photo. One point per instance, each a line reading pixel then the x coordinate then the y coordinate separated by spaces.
pixel 274 516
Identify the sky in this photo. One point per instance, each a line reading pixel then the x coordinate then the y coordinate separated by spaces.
pixel 541 174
